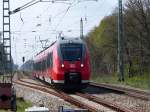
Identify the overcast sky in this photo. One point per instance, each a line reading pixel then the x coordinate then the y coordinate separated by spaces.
pixel 45 20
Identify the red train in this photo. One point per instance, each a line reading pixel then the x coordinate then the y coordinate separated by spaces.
pixel 65 63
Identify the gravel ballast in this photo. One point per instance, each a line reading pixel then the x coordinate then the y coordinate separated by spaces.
pixel 39 98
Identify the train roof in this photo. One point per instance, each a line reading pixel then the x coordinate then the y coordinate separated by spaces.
pixel 63 40
pixel 58 42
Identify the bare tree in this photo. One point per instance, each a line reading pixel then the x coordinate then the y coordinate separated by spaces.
pixel 137 23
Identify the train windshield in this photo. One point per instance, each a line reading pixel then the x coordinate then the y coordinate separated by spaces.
pixel 71 52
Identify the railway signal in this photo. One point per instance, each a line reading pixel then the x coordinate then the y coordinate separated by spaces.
pixel 23 59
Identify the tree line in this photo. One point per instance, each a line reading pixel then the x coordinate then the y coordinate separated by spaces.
pixel 102 40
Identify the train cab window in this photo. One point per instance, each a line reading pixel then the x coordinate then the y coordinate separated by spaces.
pixel 71 52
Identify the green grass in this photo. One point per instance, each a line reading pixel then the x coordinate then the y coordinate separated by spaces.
pixel 21 105
pixel 138 81
pixel 104 78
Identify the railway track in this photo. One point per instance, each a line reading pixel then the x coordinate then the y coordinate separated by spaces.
pixel 106 103
pixel 72 100
pixel 130 92
pixel 57 93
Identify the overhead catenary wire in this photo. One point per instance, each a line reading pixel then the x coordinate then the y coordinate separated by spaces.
pixel 24 6
pixel 21 18
pixel 64 15
pixel 32 3
pixel 48 7
pixel 77 2
pixel 45 9
pixel 62 12
pixel 77 21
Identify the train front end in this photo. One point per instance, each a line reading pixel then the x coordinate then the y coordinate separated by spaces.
pixel 73 65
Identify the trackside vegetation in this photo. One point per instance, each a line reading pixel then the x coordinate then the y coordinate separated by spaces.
pixel 21 105
pixel 136 81
pixel 102 43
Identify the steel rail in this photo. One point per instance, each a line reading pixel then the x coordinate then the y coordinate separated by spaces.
pixel 106 103
pixel 58 94
pixel 95 99
pixel 129 92
pixel 129 89
pixel 112 105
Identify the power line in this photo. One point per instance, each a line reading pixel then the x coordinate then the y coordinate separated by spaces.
pixel 72 4
pixel 65 12
pixel 62 17
pixel 33 2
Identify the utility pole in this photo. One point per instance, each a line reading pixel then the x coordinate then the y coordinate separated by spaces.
pixel 7 89
pixel 81 28
pixel 23 60
pixel 120 43
pixel 7 38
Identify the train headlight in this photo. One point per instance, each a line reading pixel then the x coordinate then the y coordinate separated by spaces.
pixel 82 65
pixel 62 65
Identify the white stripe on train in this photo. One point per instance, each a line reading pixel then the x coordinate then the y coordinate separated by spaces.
pixel 62 81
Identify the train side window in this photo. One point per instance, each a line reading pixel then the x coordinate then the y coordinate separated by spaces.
pixel 33 66
pixel 41 66
pixel 44 65
pixel 50 60
pixel 37 66
pixel 0 56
